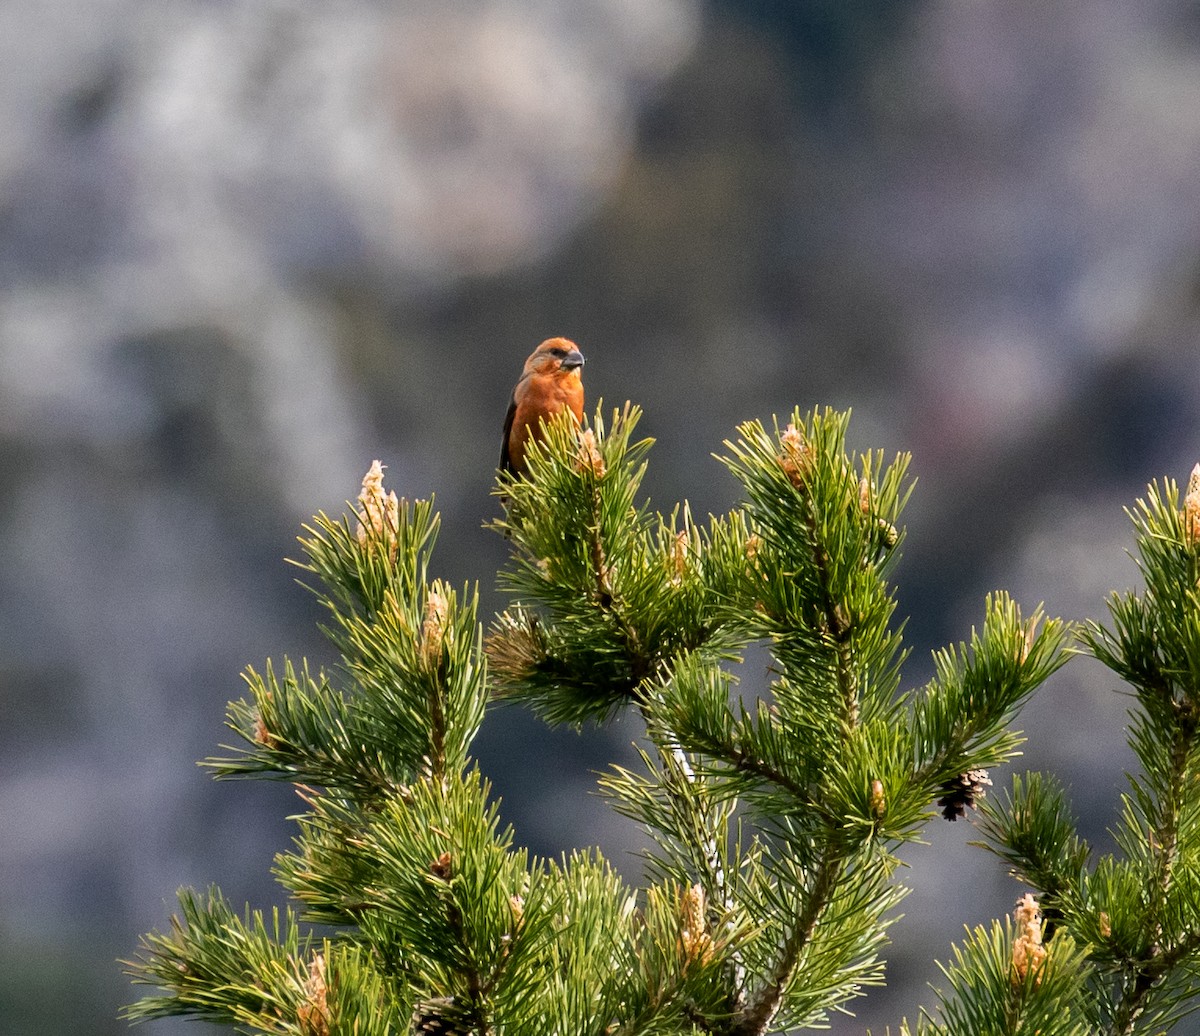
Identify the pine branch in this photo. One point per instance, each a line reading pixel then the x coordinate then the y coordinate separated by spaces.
pixel 707 821
pixel 606 597
pixel 1154 645
pixel 1159 959
pixel 743 752
pixel 412 652
pixel 244 971
pixel 818 526
pixel 837 624
pixel 754 1019
pixel 1032 830
pixel 1006 980
pixel 1135 916
pixel 960 720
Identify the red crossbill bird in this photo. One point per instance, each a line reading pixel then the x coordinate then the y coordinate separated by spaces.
pixel 549 384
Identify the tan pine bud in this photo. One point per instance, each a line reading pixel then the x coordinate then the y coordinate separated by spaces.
pixel 1025 641
pixel 878 801
pixel 589 457
pixel 262 735
pixel 796 457
pixel 313 1014
pixel 1105 925
pixel 1191 509
pixel 694 941
pixel 754 546
pixel 679 555
pixel 514 649
pixel 1028 952
pixel 433 629
pixel 379 517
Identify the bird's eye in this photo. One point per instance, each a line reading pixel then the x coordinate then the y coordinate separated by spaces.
pixel 557 352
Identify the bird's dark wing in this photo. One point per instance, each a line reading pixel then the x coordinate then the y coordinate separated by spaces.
pixel 505 461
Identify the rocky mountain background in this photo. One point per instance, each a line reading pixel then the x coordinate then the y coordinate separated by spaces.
pixel 247 246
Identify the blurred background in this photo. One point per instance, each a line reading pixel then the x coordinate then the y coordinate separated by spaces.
pixel 247 246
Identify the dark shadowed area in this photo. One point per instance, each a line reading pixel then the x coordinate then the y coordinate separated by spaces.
pixel 247 247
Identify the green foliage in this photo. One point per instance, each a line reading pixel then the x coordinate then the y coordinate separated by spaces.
pixel 1133 919
pixel 775 821
pixel 415 690
pixel 620 592
pixel 991 997
pixel 266 977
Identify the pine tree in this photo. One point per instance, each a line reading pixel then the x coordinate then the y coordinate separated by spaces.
pixel 1113 945
pixel 775 821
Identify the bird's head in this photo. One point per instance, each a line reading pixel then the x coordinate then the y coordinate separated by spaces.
pixel 553 356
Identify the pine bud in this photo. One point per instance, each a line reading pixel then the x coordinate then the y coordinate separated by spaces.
pixel 796 457
pixel 379 519
pixel 1191 509
pixel 878 801
pixel 589 457
pixel 262 735
pixel 754 546
pixel 313 1014
pixel 433 629
pixel 1028 952
pixel 1025 641
pixel 864 496
pixel 889 533
pixel 679 554
pixel 1105 925
pixel 515 647
pixel 694 940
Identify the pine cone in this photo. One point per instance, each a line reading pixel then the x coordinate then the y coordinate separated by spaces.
pixel 440 1017
pixel 962 792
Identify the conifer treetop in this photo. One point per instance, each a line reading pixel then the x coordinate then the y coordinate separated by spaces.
pixel 775 820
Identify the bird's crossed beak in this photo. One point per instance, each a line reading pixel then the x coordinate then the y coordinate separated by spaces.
pixel 572 361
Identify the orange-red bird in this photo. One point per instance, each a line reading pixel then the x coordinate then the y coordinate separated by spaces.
pixel 549 384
